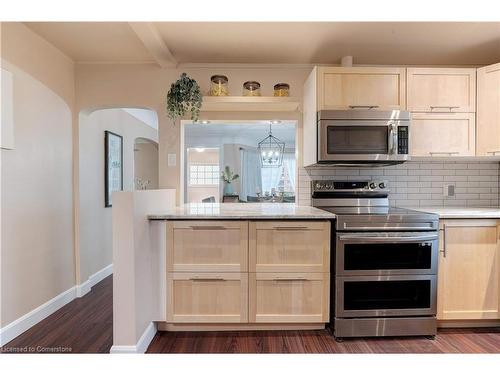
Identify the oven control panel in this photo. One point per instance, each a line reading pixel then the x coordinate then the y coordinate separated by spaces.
pixel 353 186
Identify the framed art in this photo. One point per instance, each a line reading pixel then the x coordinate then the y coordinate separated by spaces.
pixel 113 165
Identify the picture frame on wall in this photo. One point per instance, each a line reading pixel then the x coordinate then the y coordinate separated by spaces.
pixel 113 165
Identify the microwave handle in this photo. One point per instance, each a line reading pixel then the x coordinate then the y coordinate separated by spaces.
pixel 392 138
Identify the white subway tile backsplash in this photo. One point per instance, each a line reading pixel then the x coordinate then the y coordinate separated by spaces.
pixel 415 184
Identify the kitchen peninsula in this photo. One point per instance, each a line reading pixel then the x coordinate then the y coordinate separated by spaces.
pixel 229 266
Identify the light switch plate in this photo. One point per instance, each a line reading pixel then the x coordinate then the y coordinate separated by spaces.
pixel 172 160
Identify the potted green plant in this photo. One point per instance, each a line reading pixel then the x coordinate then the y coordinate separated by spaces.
pixel 184 96
pixel 228 176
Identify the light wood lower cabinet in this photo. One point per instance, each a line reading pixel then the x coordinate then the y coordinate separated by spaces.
pixel 469 269
pixel 208 281
pixel 443 134
pixel 288 297
pixel 207 246
pixel 297 246
pixel 207 297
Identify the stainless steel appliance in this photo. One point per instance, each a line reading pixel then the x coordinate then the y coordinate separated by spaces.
pixel 384 265
pixel 361 137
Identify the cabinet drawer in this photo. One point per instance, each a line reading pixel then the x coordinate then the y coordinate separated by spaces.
pixel 443 134
pixel 289 246
pixel 441 90
pixel 207 246
pixel 289 297
pixel 207 297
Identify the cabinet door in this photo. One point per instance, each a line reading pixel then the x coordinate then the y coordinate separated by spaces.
pixel 289 297
pixel 441 134
pixel 360 87
pixel 207 246
pixel 488 111
pixel 289 246
pixel 468 272
pixel 441 90
pixel 207 297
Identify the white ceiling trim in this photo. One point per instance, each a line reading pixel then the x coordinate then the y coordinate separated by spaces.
pixel 154 43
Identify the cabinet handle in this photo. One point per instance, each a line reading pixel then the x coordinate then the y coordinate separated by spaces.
pixel 444 240
pixel 444 153
pixel 291 228
pixel 363 106
pixel 207 227
pixel 493 152
pixel 207 279
pixel 443 106
pixel 290 279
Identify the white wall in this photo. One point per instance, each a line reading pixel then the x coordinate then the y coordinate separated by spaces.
pixel 37 212
pixel 95 219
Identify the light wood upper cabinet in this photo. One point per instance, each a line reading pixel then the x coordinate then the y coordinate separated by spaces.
pixel 488 110
pixel 207 246
pixel 297 246
pixel 289 297
pixel 469 269
pixel 441 89
pixel 361 87
pixel 442 134
pixel 207 297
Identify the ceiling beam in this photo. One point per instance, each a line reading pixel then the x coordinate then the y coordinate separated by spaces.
pixel 154 43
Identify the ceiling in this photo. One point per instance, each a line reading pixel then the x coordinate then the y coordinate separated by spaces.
pixel 428 43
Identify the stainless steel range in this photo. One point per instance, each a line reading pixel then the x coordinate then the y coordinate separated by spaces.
pixel 384 265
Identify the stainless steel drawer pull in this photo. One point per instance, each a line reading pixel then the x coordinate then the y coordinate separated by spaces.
pixel 207 279
pixel 493 152
pixel 443 106
pixel 207 227
pixel 290 228
pixel 444 153
pixel 363 106
pixel 291 279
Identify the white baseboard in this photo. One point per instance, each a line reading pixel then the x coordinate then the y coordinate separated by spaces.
pixel 85 287
pixel 141 346
pixel 25 322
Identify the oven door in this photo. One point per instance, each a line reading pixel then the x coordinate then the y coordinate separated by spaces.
pixel 375 296
pixel 358 141
pixel 386 253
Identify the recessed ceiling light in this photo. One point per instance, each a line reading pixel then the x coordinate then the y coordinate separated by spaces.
pixel 199 149
pixel 274 122
pixel 204 122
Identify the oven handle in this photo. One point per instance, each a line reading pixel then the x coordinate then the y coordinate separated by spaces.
pixel 429 237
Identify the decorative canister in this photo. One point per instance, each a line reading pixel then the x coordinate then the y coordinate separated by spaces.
pixel 219 86
pixel 282 89
pixel 251 88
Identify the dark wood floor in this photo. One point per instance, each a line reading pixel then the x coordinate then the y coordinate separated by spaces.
pixel 86 326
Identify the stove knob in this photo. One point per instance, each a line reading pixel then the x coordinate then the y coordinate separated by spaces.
pixel 372 185
pixel 382 185
pixel 318 186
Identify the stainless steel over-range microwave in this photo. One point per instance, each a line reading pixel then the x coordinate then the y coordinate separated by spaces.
pixel 363 137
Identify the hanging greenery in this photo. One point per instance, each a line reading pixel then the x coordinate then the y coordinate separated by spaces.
pixel 184 96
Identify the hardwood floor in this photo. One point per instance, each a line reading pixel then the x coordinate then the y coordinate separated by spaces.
pixel 86 326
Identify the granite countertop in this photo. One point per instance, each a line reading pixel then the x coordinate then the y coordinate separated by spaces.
pixel 462 212
pixel 244 211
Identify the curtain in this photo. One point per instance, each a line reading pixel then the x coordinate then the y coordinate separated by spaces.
pixel 251 178
pixel 271 176
pixel 289 163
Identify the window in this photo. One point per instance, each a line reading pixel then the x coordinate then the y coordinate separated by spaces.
pixel 282 179
pixel 204 174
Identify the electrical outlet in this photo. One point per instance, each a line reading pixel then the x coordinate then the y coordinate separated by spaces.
pixel 449 190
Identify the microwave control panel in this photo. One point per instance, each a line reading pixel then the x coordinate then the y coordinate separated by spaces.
pixel 403 140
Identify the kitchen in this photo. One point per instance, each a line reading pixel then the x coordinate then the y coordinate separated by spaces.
pixel 349 199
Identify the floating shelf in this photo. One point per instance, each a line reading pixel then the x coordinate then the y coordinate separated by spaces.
pixel 249 103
